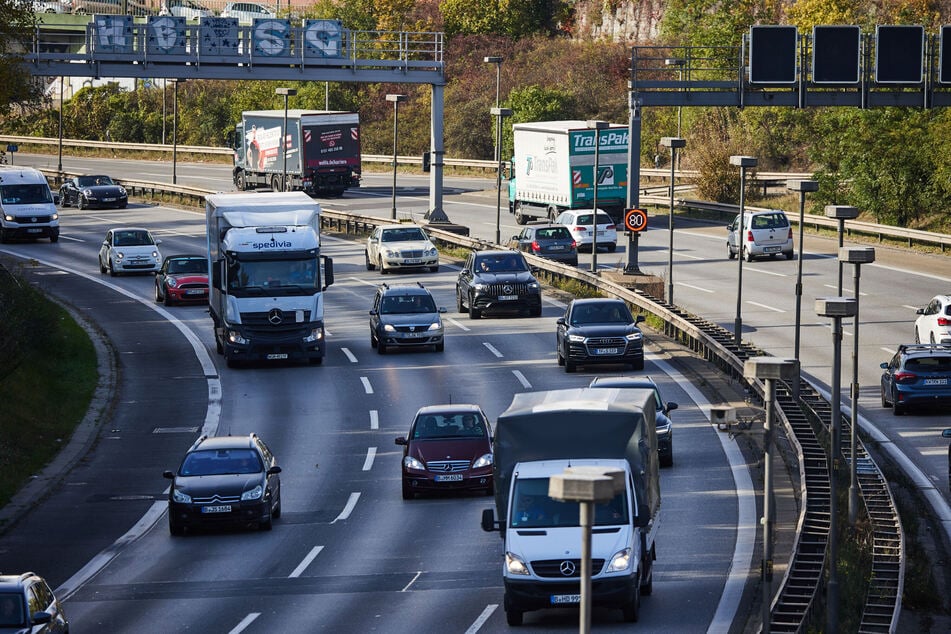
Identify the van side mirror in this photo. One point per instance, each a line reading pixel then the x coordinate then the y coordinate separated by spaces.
pixel 328 271
pixel 489 524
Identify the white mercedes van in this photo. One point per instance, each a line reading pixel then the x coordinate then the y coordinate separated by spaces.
pixel 27 207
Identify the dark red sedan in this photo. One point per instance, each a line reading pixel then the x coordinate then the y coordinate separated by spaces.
pixel 183 279
pixel 449 449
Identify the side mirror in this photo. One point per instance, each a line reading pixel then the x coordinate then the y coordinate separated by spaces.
pixel 883 366
pixel 168 475
pixel 639 319
pixel 920 311
pixel 442 309
pixel 560 321
pixel 401 441
pixel 328 271
pixel 489 524
pixel 274 470
pixel 670 407
pixel 374 312
pixel 41 618
pixel 946 433
pixel 158 242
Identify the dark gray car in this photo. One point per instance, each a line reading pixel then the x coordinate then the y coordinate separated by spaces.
pixel 405 316
pixel 547 241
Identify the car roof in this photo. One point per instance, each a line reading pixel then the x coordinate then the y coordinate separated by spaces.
pixel 492 252
pixel 404 289
pixel 127 229
pixel 924 349
pixel 596 300
pixel 223 442
pixel 459 408
pixel 623 381
pixel 182 256
pixel 15 582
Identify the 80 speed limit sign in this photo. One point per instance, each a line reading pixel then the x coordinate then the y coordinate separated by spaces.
pixel 635 220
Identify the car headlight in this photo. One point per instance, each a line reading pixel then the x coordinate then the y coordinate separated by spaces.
pixel 391 253
pixel 87 192
pixel 235 337
pixel 154 255
pixel 576 338
pixel 55 217
pixel 431 251
pixel 118 255
pixel 663 430
pixel 634 336
pixel 388 328
pixel 621 561
pixel 534 286
pixel 413 464
pixel 514 565
pixel 479 286
pixel 181 498
pixel 121 190
pixel 435 326
pixel 483 461
pixel 253 494
pixel 171 282
pixel 315 335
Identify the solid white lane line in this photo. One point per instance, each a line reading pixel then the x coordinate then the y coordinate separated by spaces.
pixel 348 509
pixel 245 622
pixel 696 288
pixel 521 379
pixel 889 351
pixel 349 354
pixel 412 581
pixel 492 349
pixel 367 388
pixel 306 561
pixel 368 462
pixel 765 272
pixel 479 622
pixel 374 419
pixel 777 310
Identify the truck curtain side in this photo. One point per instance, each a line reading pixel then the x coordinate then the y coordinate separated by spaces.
pixel 323 151
pixel 552 169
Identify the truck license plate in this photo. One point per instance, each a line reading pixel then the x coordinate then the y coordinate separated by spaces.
pixel 224 508
pixel 452 477
pixel 281 355
pixel 507 298
pixel 559 599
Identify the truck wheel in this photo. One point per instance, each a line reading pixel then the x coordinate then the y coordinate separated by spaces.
pixel 519 218
pixel 275 183
pixel 241 182
pixel 370 265
pixel 648 588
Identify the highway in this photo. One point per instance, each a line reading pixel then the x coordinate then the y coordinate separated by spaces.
pixel 349 554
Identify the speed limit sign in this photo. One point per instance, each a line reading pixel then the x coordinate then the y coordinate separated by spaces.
pixel 635 220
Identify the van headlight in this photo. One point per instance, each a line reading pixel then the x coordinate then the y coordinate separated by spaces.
pixel 621 561
pixel 514 565
pixel 413 464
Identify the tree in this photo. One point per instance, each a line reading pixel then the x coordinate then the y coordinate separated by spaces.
pixel 17 85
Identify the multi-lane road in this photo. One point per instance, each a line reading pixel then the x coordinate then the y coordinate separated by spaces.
pixel 349 554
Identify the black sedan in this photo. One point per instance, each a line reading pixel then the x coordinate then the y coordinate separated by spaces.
pixel 93 191
pixel 599 331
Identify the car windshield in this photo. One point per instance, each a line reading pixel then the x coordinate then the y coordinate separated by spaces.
pixel 286 277
pixel 601 313
pixel 25 194
pixel 220 462
pixel 402 235
pixel 195 266
pixel 500 263
pixel 11 609
pixel 532 508
pixel 92 181
pixel 399 304
pixel 449 425
pixel 132 238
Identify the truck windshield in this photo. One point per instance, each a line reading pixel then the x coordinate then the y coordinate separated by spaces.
pixel 285 277
pixel 26 194
pixel 532 508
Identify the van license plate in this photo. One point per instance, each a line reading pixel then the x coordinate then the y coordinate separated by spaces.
pixel 452 477
pixel 559 599
pixel 34 230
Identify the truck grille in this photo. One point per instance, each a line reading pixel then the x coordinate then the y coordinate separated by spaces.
pixel 552 568
pixel 261 320
pixel 448 466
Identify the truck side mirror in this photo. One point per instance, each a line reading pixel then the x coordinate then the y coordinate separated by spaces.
pixel 328 271
pixel 488 521
pixel 216 274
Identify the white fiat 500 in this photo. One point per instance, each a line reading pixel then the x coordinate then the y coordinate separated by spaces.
pixel 129 250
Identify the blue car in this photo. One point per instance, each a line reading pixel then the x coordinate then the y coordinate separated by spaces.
pixel 918 374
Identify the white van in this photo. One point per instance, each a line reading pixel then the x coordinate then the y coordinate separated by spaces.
pixel 765 233
pixel 27 206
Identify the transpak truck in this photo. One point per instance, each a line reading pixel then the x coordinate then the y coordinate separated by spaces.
pixel 266 295
pixel 552 169
pixel 323 151
pixel 540 435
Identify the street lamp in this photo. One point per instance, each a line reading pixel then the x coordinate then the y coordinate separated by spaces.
pixel 768 369
pixel 744 163
pixel 498 82
pixel 62 97
pixel 679 63
pixel 587 486
pixel 285 92
pixel 175 83
pixel 499 113
pixel 857 256
pixel 837 308
pixel 674 143
pixel 396 99
pixel 801 186
pixel 841 213
pixel 597 126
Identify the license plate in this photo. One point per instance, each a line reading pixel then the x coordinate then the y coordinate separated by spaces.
pixel 558 599
pixel 507 298
pixel 772 249
pixel 224 508
pixel 452 477
pixel 196 291
pixel 272 357
pixel 936 381
pixel 412 335
pixel 606 351
pixel 108 200
pixel 413 261
pixel 556 247
pixel 34 230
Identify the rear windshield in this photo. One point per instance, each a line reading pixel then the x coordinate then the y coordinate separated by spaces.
pixel 929 364
pixel 554 233
pixel 776 220
pixel 11 610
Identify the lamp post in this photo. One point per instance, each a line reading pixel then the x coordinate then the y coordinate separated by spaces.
pixel 744 163
pixel 498 82
pixel 857 256
pixel 285 92
pixel 679 63
pixel 597 126
pixel 396 99
pixel 587 486
pixel 801 186
pixel 164 107
pixel 499 113
pixel 837 308
pixel 62 97
pixel 175 83
pixel 769 370
pixel 674 143
pixel 841 213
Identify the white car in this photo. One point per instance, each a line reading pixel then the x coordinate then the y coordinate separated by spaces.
pixel 765 233
pixel 934 321
pixel 246 12
pixel 403 246
pixel 129 250
pixel 187 9
pixel 578 222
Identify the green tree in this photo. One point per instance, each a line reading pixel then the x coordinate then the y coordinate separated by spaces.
pixel 17 86
pixel 515 18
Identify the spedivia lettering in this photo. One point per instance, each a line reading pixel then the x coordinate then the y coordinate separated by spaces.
pixel 272 244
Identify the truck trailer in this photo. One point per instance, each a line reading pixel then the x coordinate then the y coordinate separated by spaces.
pixel 540 435
pixel 323 151
pixel 266 295
pixel 552 170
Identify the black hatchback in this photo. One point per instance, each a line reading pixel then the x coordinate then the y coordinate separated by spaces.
pixel 547 241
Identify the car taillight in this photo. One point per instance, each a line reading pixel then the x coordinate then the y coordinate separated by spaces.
pixel 610 227
pixel 749 236
pixel 574 245
pixel 944 321
pixel 581 228
pixel 790 234
pixel 535 246
pixel 905 377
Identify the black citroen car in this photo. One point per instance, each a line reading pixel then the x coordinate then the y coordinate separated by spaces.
pixel 599 331
pixel 225 480
pixel 93 191
pixel 498 282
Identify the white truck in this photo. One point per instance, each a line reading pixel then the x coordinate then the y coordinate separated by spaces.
pixel 552 169
pixel 27 205
pixel 540 435
pixel 266 281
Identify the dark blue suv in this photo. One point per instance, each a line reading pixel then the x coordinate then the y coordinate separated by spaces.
pixel 27 605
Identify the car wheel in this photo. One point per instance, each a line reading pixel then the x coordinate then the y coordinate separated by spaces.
pixel 931 339
pixel 730 253
pixel 561 359
pixel 748 255
pixel 789 255
pixel 638 366
pixel 123 205
pixel 112 269
pixel 917 336
pixel 897 408
pixel 383 270
pixel 459 305
pixel 570 365
pixel 372 340
pixel 54 238
pixel 370 265
pixel 668 461
pixel 158 296
pixel 885 402
pixel 168 299
pixel 276 509
pixel 175 528
pixel 474 313
pixel 102 267
pixel 63 199
pixel 434 269
pixel 408 493
pixel 81 202
pixel 380 347
pixel 439 347
pixel 537 312
pixel 267 524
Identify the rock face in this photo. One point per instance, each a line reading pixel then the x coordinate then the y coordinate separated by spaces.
pixel 618 20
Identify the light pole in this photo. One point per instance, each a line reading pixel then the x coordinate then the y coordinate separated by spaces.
pixel 285 92
pixel 857 256
pixel 62 96
pixel 744 163
pixel 674 143
pixel 164 107
pixel 498 82
pixel 175 83
pixel 679 63
pixel 769 370
pixel 499 113
pixel 587 486
pixel 837 308
pixel 841 213
pixel 801 186
pixel 597 126
pixel 396 99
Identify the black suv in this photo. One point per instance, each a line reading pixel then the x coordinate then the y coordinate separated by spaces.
pixel 595 330
pixel 225 480
pixel 27 605
pixel 498 281
pixel 405 316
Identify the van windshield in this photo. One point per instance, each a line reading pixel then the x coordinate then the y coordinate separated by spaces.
pixel 25 194
pixel 532 508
